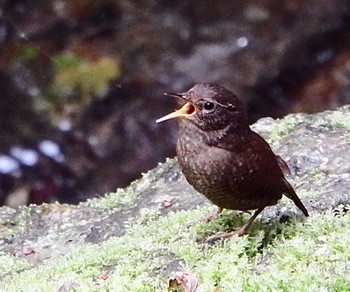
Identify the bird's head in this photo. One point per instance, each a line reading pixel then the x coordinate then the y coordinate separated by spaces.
pixel 210 107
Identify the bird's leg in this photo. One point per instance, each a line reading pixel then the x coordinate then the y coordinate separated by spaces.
pixel 213 215
pixel 208 218
pixel 242 230
pixel 238 232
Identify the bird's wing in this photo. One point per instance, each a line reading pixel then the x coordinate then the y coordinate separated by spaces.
pixel 283 165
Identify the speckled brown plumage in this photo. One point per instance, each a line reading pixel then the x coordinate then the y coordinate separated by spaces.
pixel 222 158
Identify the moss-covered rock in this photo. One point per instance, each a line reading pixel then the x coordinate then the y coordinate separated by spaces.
pixel 136 238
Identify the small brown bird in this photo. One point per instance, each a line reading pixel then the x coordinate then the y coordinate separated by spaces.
pixel 222 158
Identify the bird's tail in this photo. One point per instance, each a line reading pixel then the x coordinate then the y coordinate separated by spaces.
pixel 294 197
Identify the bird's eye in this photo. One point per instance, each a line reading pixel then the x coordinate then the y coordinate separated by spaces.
pixel 209 106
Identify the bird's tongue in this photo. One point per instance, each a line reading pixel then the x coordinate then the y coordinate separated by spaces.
pixel 186 111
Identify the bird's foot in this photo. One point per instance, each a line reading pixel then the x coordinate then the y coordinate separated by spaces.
pixel 238 232
pixel 224 235
pixel 206 219
pixel 212 216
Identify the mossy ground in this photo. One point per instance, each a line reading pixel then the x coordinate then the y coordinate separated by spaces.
pixel 303 254
pixel 309 255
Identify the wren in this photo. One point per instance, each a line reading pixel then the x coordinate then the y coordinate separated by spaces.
pixel 222 158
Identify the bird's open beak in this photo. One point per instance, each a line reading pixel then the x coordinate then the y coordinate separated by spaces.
pixel 187 110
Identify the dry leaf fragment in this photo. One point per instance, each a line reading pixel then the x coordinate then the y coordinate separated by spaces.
pixel 185 280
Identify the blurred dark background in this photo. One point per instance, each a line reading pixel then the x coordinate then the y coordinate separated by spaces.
pixel 82 82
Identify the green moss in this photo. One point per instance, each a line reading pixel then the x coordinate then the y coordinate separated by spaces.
pixel 114 201
pixel 284 127
pixel 12 264
pixel 15 222
pixel 339 118
pixel 298 256
pixel 121 198
pixel 124 197
pixel 317 176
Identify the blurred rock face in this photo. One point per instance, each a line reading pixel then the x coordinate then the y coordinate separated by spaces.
pixel 82 82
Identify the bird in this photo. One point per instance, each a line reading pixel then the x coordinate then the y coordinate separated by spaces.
pixel 223 159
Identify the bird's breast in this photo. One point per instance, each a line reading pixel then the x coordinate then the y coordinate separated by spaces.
pixel 206 168
pixel 230 179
